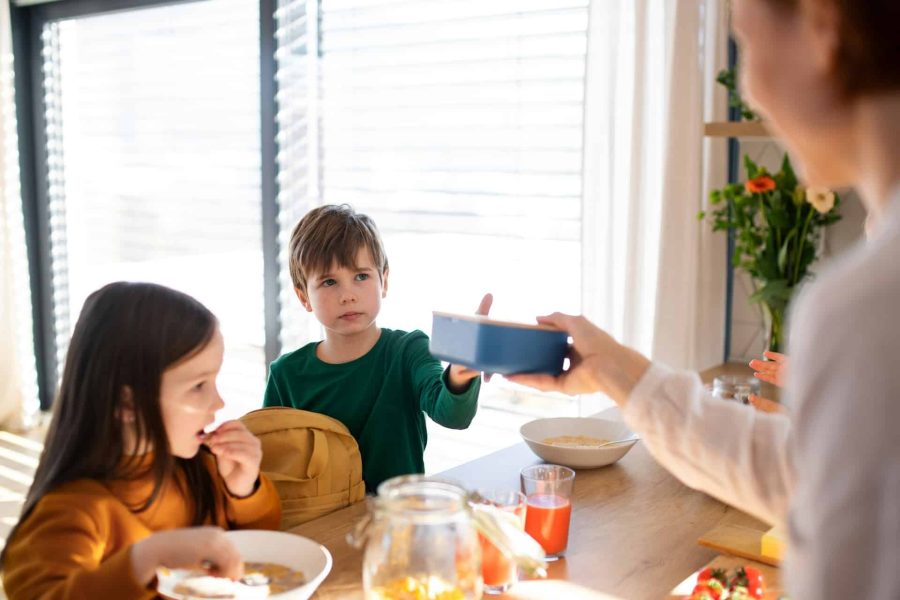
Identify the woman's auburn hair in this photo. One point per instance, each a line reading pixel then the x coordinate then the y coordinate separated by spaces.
pixel 868 52
pixel 126 337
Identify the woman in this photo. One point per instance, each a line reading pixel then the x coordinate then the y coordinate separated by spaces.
pixel 826 74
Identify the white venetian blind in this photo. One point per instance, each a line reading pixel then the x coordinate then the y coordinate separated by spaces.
pixel 458 127
pixel 153 151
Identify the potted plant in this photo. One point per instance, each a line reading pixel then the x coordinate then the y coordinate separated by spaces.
pixel 776 223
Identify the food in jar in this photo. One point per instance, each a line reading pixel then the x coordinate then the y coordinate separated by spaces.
pixel 418 588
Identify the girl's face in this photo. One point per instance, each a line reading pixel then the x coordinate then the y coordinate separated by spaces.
pixel 189 398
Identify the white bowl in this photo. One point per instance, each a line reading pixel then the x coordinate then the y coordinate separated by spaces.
pixel 257 545
pixel 535 432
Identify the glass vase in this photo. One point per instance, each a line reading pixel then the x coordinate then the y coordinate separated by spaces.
pixel 773 319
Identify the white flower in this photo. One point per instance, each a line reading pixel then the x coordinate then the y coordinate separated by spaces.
pixel 822 199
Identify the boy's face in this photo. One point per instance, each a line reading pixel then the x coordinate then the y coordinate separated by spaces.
pixel 346 301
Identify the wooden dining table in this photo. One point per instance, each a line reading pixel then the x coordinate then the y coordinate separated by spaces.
pixel 633 533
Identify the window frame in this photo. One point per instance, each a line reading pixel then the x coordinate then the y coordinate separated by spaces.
pixel 28 20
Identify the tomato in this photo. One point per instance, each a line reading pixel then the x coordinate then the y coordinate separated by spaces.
pixel 751 582
pixel 710 573
pixel 704 592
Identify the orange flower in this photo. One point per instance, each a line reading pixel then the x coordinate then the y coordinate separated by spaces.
pixel 760 185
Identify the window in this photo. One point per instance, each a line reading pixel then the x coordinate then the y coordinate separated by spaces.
pixel 153 154
pixel 458 127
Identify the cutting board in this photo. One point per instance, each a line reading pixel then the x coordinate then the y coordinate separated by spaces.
pixel 737 540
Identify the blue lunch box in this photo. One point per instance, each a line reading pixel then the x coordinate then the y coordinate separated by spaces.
pixel 500 347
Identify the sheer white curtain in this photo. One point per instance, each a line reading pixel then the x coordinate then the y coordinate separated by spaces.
pixel 653 276
pixel 18 390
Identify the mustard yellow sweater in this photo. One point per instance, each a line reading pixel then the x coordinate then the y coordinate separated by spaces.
pixel 77 541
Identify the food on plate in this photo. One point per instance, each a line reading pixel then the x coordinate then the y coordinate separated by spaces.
pixel 714 584
pixel 747 583
pixel 418 588
pixel 207 586
pixel 711 584
pixel 575 441
pixel 260 580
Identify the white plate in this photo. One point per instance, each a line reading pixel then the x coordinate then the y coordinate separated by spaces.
pixel 535 432
pixel 257 545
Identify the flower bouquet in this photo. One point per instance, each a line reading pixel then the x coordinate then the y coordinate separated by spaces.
pixel 776 224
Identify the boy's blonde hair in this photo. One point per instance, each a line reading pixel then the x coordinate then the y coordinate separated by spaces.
pixel 330 235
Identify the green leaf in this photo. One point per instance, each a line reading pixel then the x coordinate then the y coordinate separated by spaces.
pixel 775 292
pixel 789 178
pixel 783 253
pixel 751 167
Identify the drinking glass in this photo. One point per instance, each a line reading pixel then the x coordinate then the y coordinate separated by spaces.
pixel 497 569
pixel 548 497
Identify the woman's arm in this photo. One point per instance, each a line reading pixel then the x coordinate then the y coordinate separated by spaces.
pixel 725 449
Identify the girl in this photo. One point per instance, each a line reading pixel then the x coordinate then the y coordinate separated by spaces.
pixel 128 480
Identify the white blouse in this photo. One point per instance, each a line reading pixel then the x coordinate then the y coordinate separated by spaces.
pixel 830 471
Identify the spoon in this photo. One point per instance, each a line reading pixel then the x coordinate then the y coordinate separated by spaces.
pixel 250 580
pixel 631 438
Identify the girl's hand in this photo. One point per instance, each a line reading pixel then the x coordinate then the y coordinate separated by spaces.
pixel 773 370
pixel 190 548
pixel 238 454
pixel 597 362
pixel 460 376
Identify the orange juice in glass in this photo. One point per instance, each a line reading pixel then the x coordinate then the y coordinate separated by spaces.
pixel 548 493
pixel 497 569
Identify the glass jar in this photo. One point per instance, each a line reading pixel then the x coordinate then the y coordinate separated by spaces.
pixel 421 542
pixel 731 387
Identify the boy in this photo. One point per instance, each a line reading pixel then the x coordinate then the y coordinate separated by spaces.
pixel 376 381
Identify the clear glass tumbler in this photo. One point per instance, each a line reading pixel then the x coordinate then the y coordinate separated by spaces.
pixel 498 568
pixel 548 495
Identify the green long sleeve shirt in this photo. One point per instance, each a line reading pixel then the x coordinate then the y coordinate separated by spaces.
pixel 381 397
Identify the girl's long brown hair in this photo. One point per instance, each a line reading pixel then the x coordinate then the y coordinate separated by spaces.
pixel 127 335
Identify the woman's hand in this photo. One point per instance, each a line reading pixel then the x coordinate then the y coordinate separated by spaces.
pixel 773 370
pixel 190 548
pixel 597 362
pixel 238 454
pixel 460 376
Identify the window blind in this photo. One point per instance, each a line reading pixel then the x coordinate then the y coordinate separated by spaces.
pixel 456 125
pixel 153 154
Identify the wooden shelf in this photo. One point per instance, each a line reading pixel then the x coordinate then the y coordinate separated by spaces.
pixel 735 129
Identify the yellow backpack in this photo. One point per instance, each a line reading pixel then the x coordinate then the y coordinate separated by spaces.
pixel 311 458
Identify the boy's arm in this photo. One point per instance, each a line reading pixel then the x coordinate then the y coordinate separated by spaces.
pixel 430 386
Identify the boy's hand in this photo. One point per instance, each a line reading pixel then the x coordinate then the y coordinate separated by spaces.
pixel 238 454
pixel 459 375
